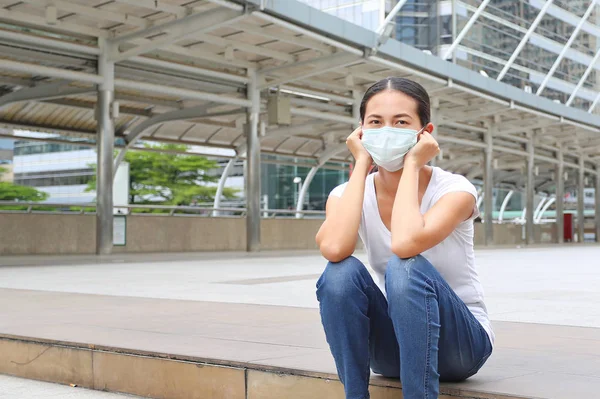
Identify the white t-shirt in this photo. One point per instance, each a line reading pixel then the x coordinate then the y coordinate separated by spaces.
pixel 453 258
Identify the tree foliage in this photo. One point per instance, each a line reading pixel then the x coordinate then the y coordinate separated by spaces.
pixel 167 177
pixel 15 192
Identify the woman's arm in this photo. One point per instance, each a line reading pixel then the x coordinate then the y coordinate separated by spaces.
pixel 338 235
pixel 412 232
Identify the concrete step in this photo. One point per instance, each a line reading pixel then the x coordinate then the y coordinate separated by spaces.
pixel 163 375
pixel 164 348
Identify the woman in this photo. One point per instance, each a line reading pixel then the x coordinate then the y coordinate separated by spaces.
pixel 421 317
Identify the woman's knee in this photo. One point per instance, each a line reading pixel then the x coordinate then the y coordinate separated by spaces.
pixel 339 278
pixel 400 273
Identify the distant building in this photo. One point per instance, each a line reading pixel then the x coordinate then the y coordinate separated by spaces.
pixel 6 159
pixel 61 170
pixel 433 25
pixel 64 170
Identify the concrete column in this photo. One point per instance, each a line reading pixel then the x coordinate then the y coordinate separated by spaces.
pixel 357 95
pixel 435 110
pixel 529 234
pixel 454 27
pixel 488 185
pixel 105 131
pixel 560 196
pixel 597 196
pixel 580 201
pixel 253 167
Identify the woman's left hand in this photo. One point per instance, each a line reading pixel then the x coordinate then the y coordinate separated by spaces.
pixel 425 150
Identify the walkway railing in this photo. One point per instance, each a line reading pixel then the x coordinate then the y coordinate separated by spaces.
pixel 202 210
pixel 148 210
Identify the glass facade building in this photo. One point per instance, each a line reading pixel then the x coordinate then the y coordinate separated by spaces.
pixel 62 170
pixel 490 43
pixel 281 185
pixel 6 151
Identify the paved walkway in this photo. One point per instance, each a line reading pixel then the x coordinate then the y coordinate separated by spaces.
pixel 553 285
pixel 216 306
pixel 530 360
pixel 21 388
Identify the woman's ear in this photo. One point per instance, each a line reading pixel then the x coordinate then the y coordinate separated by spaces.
pixel 429 128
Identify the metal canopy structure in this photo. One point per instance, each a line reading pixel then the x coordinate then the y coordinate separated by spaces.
pixel 201 73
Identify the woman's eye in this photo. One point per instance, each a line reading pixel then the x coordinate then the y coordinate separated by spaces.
pixel 401 123
pixel 374 122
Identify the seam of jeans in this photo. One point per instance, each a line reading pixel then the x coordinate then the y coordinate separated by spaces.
pixel 428 356
pixel 473 321
pixel 458 303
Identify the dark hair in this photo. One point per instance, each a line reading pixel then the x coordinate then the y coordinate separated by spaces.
pixel 403 85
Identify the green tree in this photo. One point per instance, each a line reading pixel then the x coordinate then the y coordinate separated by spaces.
pixel 15 192
pixel 166 177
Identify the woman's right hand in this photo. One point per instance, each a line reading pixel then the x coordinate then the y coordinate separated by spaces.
pixel 354 143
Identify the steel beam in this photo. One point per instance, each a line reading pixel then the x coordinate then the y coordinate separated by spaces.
pixel 525 39
pixel 304 189
pixel 504 205
pixel 40 70
pixel 541 212
pixel 253 167
pixel 572 54
pixel 566 47
pixel 319 66
pixel 488 183
pixel 393 13
pixel 466 29
pixel 46 43
pixel 584 77
pixel 580 200
pixel 94 13
pixel 221 185
pixel 529 232
pixel 560 195
pixel 174 31
pixel 327 116
pixel 105 139
pixel 183 114
pixel 179 92
pixel 188 69
pixel 539 208
pixel 43 92
pixel 594 103
pixel 325 156
pixel 308 33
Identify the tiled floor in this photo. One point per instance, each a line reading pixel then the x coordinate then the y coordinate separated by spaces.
pixel 530 360
pixel 21 388
pixel 214 306
pixel 554 285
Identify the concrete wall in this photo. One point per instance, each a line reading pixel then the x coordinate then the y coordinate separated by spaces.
pixel 184 234
pixel 511 234
pixel 34 234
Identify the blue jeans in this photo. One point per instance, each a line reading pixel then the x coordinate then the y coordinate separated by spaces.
pixel 423 326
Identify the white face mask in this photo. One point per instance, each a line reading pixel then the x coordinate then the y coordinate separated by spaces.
pixel 389 145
